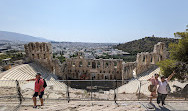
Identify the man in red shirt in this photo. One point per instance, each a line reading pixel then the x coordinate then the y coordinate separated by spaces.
pixel 39 89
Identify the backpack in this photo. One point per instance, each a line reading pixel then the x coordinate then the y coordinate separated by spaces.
pixel 45 84
pixel 168 89
pixel 151 88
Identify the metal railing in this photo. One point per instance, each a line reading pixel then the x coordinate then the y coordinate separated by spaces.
pixel 88 90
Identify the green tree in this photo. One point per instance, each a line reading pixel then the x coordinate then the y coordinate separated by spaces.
pixel 178 60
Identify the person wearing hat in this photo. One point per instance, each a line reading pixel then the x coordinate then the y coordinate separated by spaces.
pixel 39 89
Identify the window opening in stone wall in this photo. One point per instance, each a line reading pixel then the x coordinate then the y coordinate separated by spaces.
pixel 143 59
pixel 38 56
pixel 93 65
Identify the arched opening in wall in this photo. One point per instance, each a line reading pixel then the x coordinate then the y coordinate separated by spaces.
pixel 38 56
pixel 106 65
pixel 93 76
pixel 115 64
pixel 115 77
pixel 80 64
pixel 98 64
pixel 47 49
pixel 88 64
pixel 73 64
pixel 43 47
pixel 93 65
pixel 111 77
pixel 32 46
pixel 161 58
pixel 33 56
pixel 105 77
pixel 98 76
pixel 151 59
pixel 144 58
pixel 44 56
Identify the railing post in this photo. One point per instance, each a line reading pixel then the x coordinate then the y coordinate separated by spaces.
pixel 68 96
pixel 19 92
pixel 139 90
pixel 115 96
pixel 91 87
pixel 185 97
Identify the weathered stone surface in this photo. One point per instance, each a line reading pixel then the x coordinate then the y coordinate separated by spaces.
pixel 98 69
pixel 41 53
pixel 145 59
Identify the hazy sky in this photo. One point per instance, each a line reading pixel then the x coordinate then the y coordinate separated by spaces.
pixel 94 20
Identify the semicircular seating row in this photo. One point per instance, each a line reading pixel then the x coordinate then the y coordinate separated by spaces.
pixel 28 71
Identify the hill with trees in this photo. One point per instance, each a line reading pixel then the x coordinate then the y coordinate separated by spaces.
pixel 144 45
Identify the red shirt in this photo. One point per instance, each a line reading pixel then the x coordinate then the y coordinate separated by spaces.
pixel 38 83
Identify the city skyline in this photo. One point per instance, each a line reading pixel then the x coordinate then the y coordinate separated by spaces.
pixel 99 21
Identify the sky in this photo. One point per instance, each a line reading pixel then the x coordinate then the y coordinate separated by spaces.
pixel 104 21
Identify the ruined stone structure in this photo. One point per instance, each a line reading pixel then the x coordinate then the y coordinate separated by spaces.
pixel 145 60
pixel 97 69
pixel 41 53
pixel 79 68
pixel 128 69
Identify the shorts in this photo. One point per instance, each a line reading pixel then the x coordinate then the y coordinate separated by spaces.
pixel 36 94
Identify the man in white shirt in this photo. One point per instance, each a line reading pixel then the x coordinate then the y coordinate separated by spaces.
pixel 162 89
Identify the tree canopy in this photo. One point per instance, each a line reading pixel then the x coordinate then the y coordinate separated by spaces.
pixel 178 60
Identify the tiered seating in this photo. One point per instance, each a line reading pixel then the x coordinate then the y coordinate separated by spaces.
pixel 28 71
pixel 52 81
pixel 133 85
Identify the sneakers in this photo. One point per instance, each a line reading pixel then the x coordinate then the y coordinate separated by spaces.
pixel 163 104
pixel 34 106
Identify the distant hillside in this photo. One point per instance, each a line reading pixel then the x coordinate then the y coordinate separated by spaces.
pixel 12 36
pixel 143 45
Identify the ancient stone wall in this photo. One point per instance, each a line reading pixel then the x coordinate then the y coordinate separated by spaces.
pixel 145 60
pixel 41 53
pixel 98 69
pixel 128 68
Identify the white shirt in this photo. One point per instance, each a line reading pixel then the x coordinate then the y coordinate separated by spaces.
pixel 162 87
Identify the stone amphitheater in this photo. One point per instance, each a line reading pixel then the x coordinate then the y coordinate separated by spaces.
pixel 57 89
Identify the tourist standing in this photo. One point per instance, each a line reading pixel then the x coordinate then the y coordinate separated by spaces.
pixel 153 87
pixel 39 89
pixel 162 89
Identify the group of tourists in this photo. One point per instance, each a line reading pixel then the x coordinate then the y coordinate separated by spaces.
pixel 159 89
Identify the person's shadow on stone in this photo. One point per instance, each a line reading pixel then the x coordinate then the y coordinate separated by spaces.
pixel 161 108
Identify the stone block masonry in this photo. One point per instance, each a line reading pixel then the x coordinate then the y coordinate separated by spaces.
pixel 97 69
